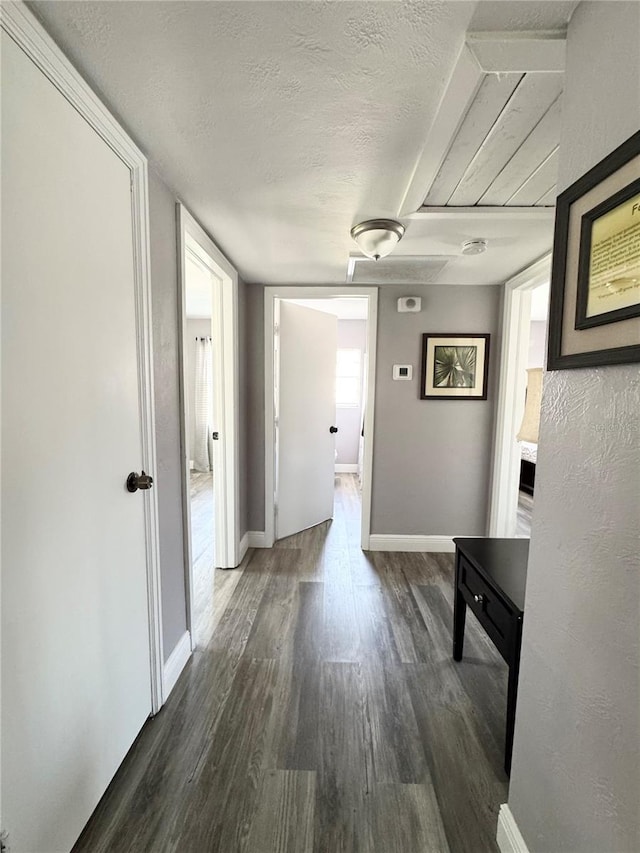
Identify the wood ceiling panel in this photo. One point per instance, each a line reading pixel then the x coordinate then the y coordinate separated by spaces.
pixel 549 198
pixel 535 149
pixel 538 184
pixel 494 92
pixel 530 101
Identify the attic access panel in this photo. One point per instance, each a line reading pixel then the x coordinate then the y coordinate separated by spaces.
pixel 398 270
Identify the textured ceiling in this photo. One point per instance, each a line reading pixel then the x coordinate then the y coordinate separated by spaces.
pixel 513 244
pixel 280 124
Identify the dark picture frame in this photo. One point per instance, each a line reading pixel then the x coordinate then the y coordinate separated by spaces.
pixel 611 337
pixel 454 366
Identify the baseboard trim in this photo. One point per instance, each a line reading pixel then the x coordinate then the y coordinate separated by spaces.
pixel 346 468
pixel 257 539
pixel 176 662
pixel 508 836
pixel 244 547
pixel 428 544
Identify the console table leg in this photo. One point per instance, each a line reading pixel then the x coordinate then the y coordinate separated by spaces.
pixel 459 616
pixel 512 696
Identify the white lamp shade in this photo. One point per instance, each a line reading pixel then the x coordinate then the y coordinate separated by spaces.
pixel 378 237
pixel 531 418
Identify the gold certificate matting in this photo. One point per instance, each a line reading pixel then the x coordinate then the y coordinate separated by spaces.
pixel 614 269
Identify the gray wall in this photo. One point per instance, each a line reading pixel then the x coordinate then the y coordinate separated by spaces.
pixel 576 765
pixel 352 334
pixel 253 380
pixel 432 458
pixel 243 411
pixel 164 284
pixel 168 478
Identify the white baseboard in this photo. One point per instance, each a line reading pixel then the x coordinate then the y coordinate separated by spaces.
pixel 346 468
pixel 257 539
pixel 175 664
pixel 428 544
pixel 244 547
pixel 509 837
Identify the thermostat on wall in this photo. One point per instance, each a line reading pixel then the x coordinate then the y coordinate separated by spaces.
pixel 402 371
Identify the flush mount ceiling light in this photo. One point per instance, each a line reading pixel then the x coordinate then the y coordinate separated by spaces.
pixel 474 247
pixel 377 237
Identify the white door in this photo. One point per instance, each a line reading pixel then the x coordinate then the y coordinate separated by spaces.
pixel 75 642
pixel 306 414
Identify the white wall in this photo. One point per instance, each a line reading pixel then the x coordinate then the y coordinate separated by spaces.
pixel 352 334
pixel 537 340
pixel 575 783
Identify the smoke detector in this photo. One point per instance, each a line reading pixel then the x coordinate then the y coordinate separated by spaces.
pixel 474 247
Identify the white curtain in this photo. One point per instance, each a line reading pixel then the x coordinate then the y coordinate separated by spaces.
pixel 203 407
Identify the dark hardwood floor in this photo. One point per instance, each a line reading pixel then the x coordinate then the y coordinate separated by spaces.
pixel 325 714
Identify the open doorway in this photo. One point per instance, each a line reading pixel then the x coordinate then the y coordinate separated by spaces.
pixel 528 432
pixel 333 466
pixel 200 420
pixel 522 343
pixel 350 367
pixel 209 420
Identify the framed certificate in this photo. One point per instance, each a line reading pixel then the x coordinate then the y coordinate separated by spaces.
pixel 609 263
pixel 594 309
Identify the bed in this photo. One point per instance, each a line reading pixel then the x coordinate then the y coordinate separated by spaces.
pixel 528 459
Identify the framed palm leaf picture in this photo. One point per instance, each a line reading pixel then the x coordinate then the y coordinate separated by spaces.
pixel 454 367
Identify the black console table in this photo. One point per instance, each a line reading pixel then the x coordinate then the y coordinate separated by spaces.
pixel 491 575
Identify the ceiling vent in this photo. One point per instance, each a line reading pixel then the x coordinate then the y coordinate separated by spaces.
pixel 396 270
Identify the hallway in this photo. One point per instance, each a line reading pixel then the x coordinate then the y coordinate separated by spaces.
pixel 202 532
pixel 325 715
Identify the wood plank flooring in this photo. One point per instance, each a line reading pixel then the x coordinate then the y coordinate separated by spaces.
pixel 202 555
pixel 524 515
pixel 325 714
pixel 212 588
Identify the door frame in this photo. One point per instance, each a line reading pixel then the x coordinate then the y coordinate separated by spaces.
pixel 224 334
pixel 313 292
pixel 512 385
pixel 21 25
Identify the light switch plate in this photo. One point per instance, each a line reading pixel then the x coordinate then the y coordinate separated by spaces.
pixel 402 371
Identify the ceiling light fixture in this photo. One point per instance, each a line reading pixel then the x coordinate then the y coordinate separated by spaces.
pixel 377 237
pixel 474 247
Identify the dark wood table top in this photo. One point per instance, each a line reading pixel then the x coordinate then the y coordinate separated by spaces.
pixel 503 561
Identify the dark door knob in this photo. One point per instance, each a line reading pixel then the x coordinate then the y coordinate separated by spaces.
pixel 215 436
pixel 138 481
pixel 333 429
